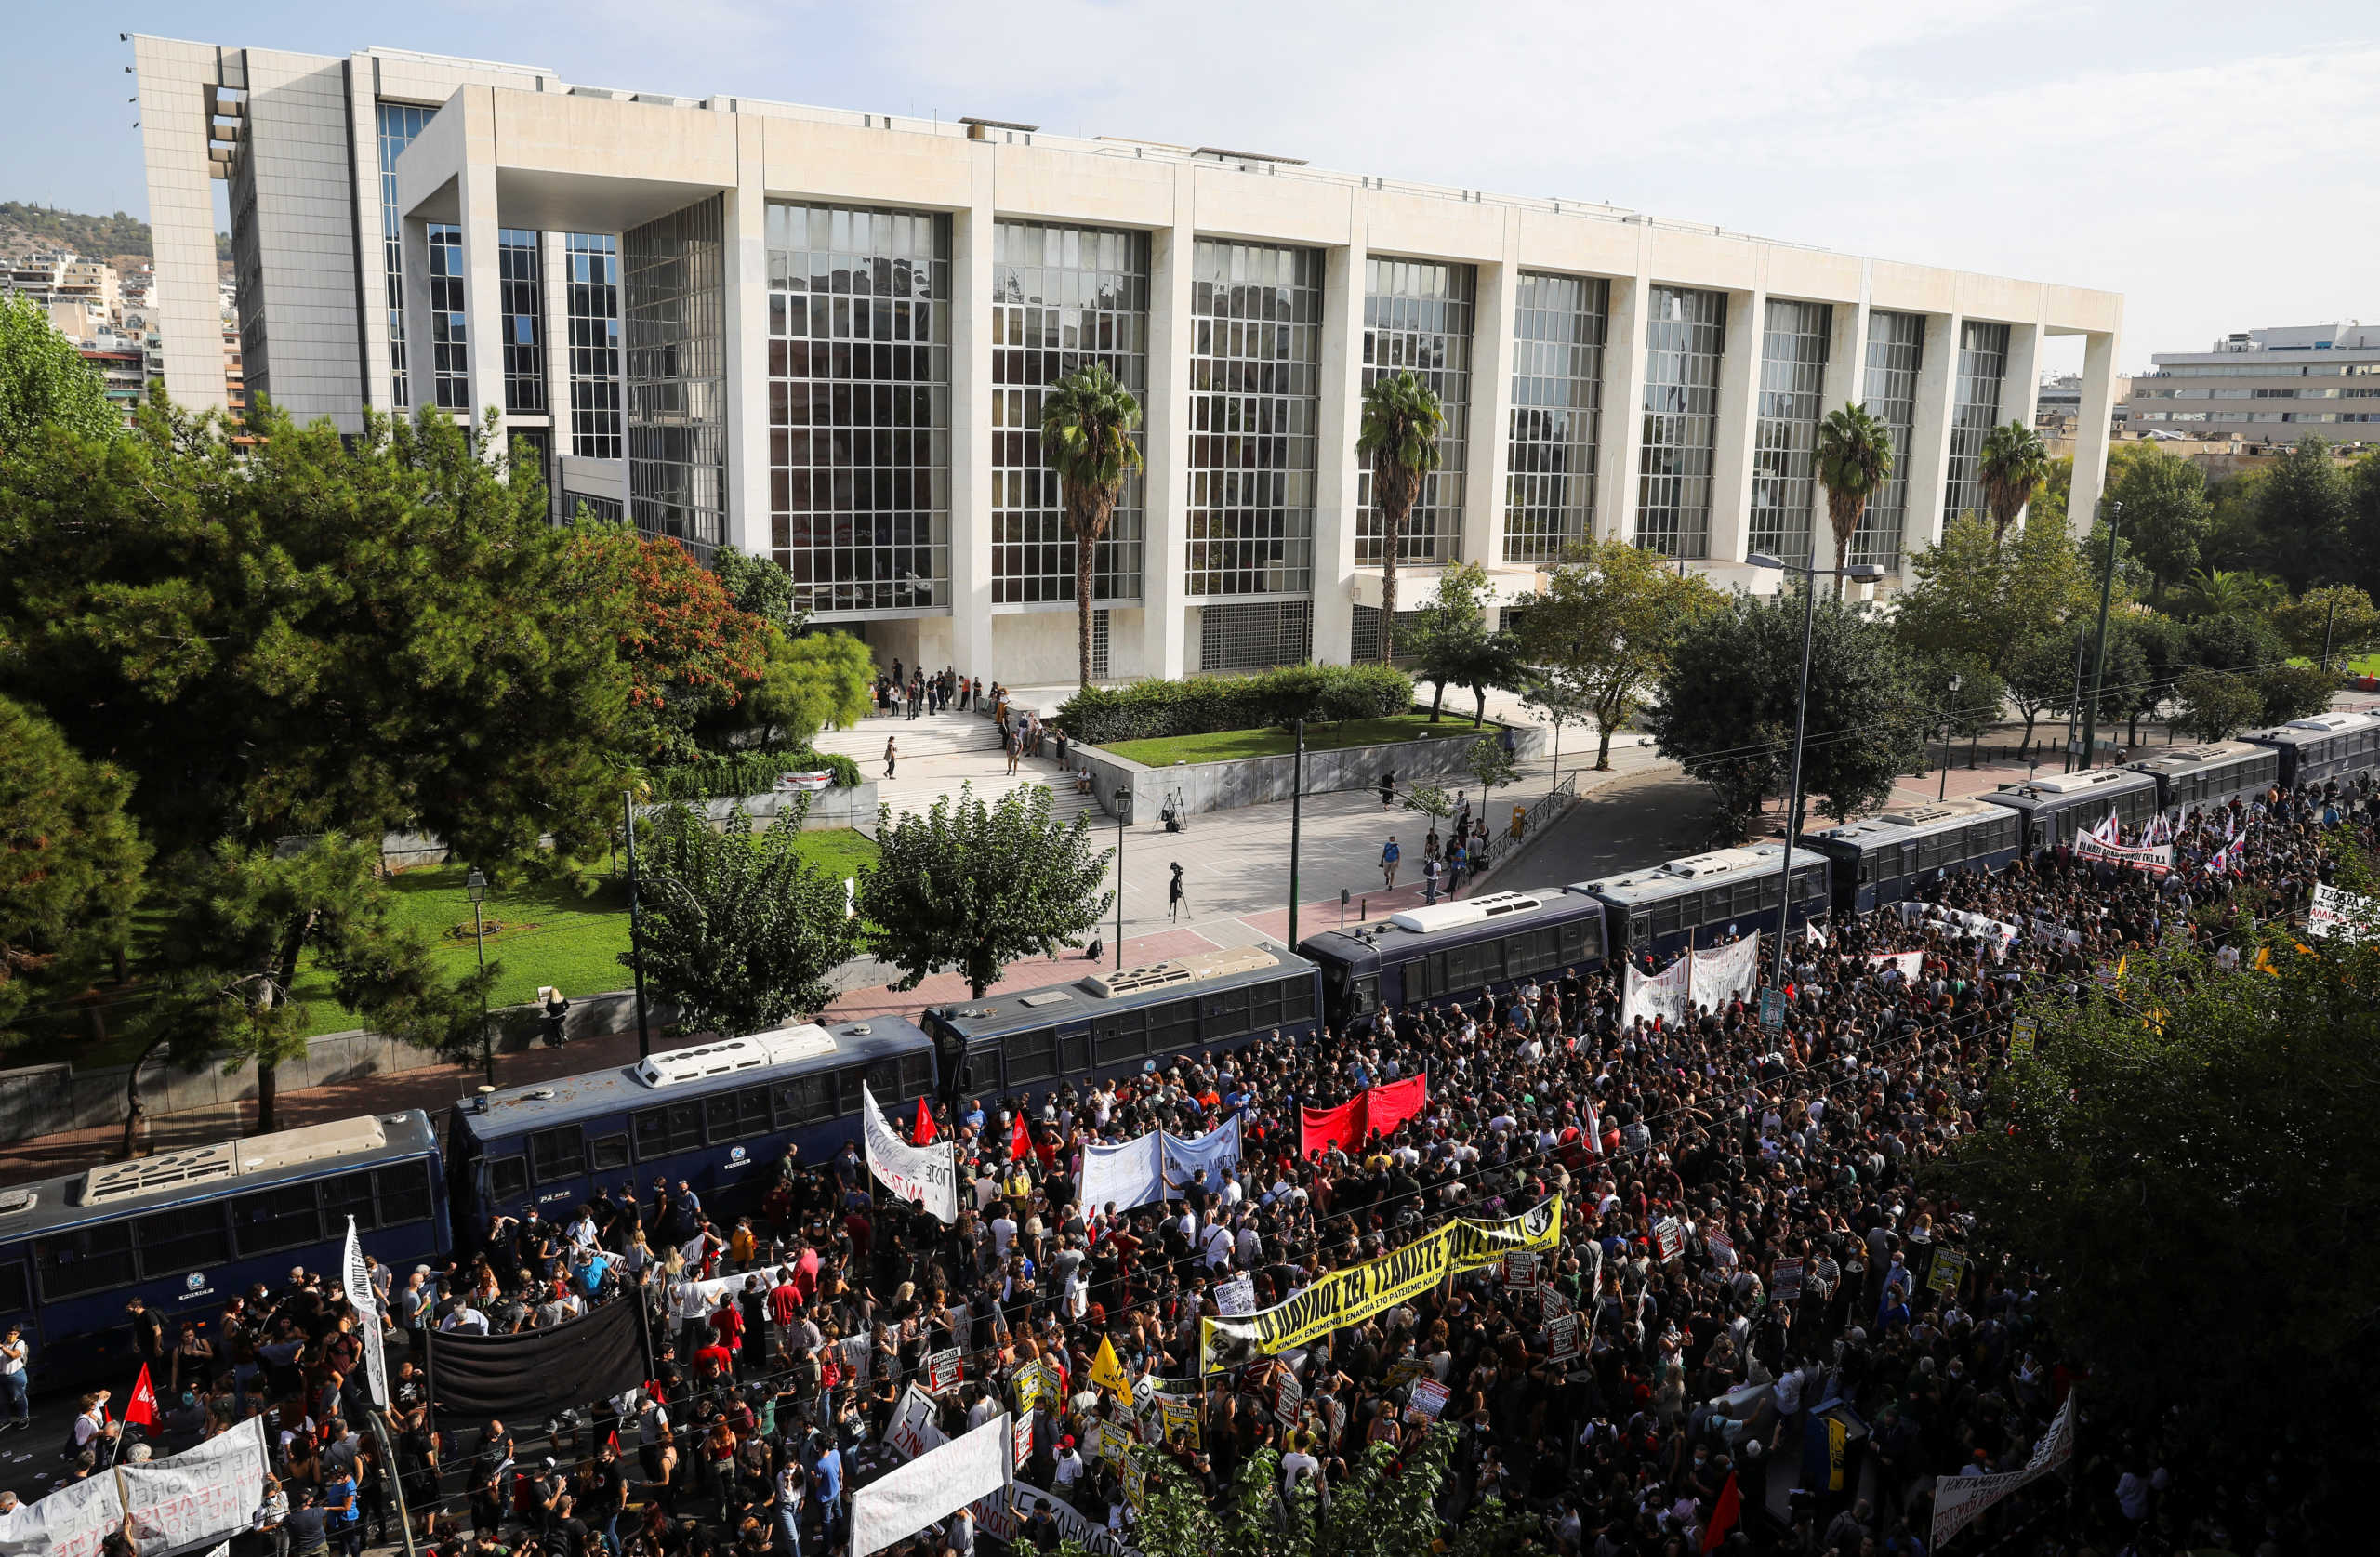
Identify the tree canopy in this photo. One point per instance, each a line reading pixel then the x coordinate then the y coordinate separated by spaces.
pixel 1601 631
pixel 71 863
pixel 739 930
pixel 2167 517
pixel 2174 1133
pixel 2302 510
pixel 1452 644
pixel 44 383
pixel 1728 705
pixel 1854 460
pixel 1970 595
pixel 973 887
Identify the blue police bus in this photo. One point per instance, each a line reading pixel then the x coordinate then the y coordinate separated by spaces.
pixel 2324 747
pixel 1108 1024
pixel 2192 778
pixel 1705 900
pixel 1453 951
pixel 1885 859
pixel 187 1229
pixel 2054 808
pixel 714 1115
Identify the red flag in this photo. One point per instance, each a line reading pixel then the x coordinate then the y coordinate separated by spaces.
pixel 921 1133
pixel 141 1409
pixel 1723 1517
pixel 1020 1142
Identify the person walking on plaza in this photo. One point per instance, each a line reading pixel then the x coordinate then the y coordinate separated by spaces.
pixel 1387 790
pixel 16 1384
pixel 1388 858
pixel 1457 858
pixel 1013 741
pixel 1429 879
pixel 892 756
pixel 1177 896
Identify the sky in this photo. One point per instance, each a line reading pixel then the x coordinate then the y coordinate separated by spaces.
pixel 2216 164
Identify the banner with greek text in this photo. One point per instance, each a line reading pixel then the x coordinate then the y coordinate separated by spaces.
pixel 1155 1167
pixel 933 1486
pixel 1072 1526
pixel 1350 1296
pixel 910 1172
pixel 2155 860
pixel 1667 996
pixel 1725 973
pixel 195 1498
pixel 1959 1501
pixel 358 1280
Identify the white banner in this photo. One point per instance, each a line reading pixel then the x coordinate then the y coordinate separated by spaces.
pixel 933 1486
pixel 914 1430
pixel 195 1498
pixel 2155 860
pixel 1666 995
pixel 1072 1525
pixel 200 1495
pixel 1729 972
pixel 1959 1501
pixel 924 1173
pixel 367 1316
pixel 2338 913
pixel 1910 963
pixel 1155 1167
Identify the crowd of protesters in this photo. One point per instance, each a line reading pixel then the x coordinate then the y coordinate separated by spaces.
pixel 1745 1241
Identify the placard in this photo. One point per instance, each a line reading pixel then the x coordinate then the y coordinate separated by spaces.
pixel 1562 1337
pixel 1288 1398
pixel 1176 1415
pixel 1024 1439
pixel 1785 1280
pixel 1949 1266
pixel 2021 1034
pixel 1520 1271
pixel 1669 1238
pixel 1722 1247
pixel 943 1371
pixel 1236 1298
pixel 1430 1397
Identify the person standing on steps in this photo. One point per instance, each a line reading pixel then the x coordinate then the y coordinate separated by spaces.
pixel 1177 896
pixel 891 754
pixel 1388 858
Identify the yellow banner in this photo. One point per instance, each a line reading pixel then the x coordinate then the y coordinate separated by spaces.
pixel 1354 1295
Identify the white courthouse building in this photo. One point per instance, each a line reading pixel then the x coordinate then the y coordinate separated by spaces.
pixel 821 336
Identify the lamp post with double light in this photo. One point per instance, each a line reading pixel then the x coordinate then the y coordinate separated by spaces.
pixel 475 887
pixel 1858 573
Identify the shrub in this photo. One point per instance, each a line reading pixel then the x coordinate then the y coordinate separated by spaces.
pixel 751 773
pixel 1204 705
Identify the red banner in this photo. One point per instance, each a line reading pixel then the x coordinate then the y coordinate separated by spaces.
pixel 1376 1108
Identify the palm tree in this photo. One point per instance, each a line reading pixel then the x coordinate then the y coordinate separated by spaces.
pixel 1402 420
pixel 2231 592
pixel 1087 422
pixel 2012 468
pixel 1855 461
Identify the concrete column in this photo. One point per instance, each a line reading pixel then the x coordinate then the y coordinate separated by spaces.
pixel 420 380
pixel 970 423
pixel 1491 403
pixel 2020 385
pixel 1166 439
pixel 173 79
pixel 1620 453
pixel 553 326
pixel 371 255
pixel 483 285
pixel 1929 433
pixel 1739 414
pixel 2091 429
pixel 744 239
pixel 1338 417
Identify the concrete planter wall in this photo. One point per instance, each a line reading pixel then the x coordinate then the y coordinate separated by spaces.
pixel 855 808
pixel 1250 780
pixel 45 1099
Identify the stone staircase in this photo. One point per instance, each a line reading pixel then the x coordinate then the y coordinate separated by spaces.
pixel 941 752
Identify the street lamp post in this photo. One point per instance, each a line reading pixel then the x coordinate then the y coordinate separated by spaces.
pixel 1858 572
pixel 475 887
pixel 1944 792
pixel 1297 794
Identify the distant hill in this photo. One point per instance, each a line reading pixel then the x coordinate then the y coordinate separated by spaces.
pixel 25 226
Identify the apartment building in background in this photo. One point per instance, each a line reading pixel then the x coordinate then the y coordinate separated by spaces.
pixel 822 336
pixel 2273 386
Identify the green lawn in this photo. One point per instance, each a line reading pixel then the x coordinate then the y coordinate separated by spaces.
pixel 544 933
pixel 1224 745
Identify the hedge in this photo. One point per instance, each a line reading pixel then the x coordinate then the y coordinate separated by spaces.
pixel 1204 705
pixel 749 772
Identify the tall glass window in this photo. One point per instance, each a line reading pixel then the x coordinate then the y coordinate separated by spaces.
pixel 1895 351
pixel 1063 298
pixel 1558 324
pixel 399 124
pixel 672 278
pixel 450 357
pixel 859 407
pixel 1686 335
pixel 592 307
pixel 1255 366
pixel 1983 363
pixel 1794 337
pixel 1417 315
pixel 521 273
